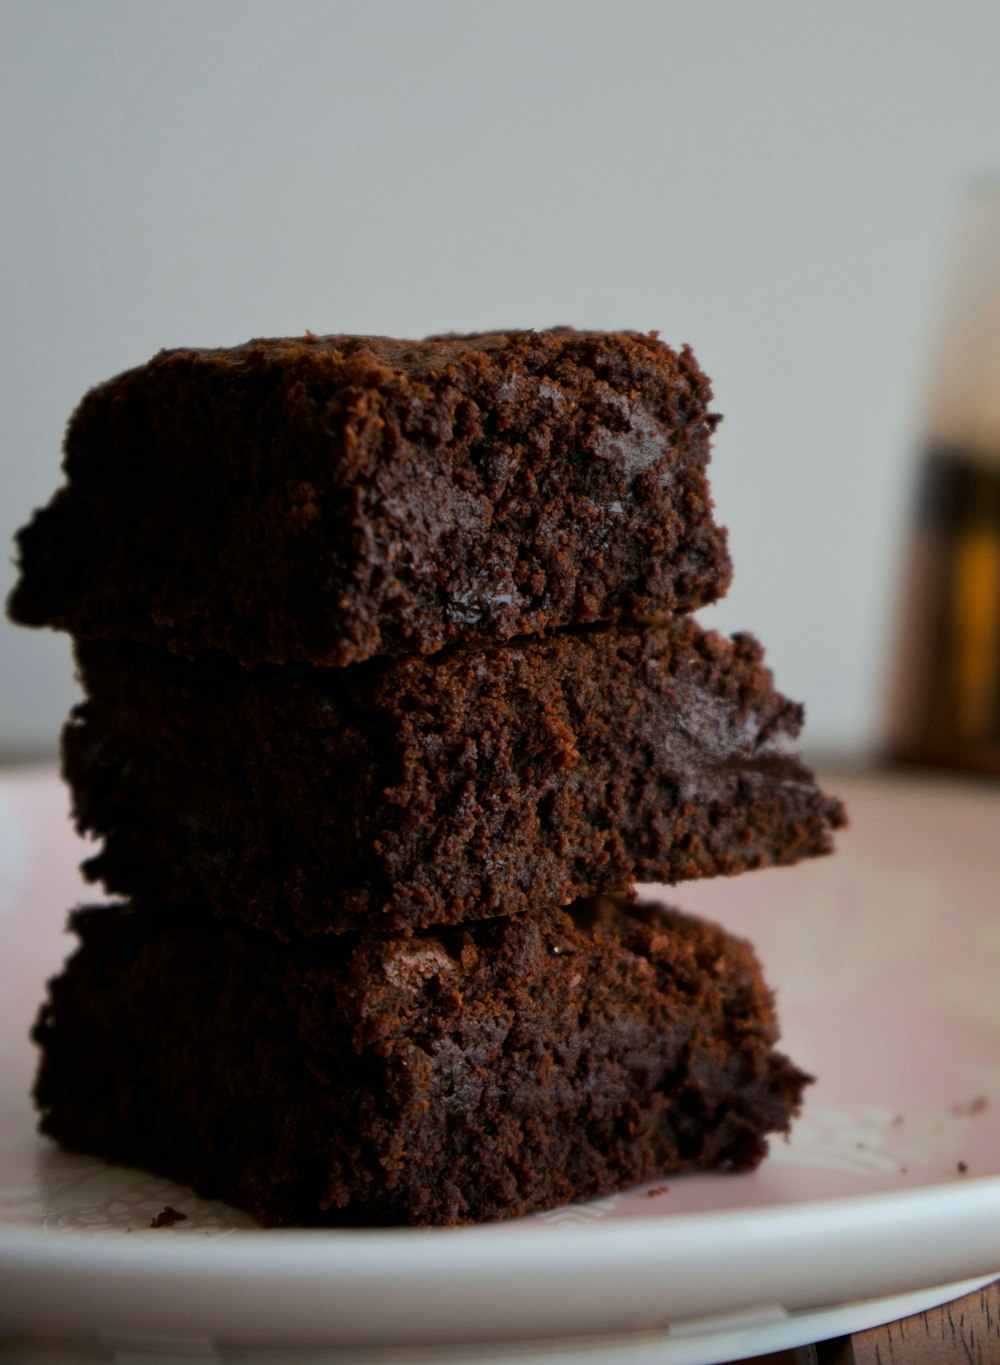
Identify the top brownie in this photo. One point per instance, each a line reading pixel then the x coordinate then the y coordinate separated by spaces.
pixel 332 499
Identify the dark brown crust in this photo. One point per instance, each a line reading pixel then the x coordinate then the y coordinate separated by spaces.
pixel 435 790
pixel 329 500
pixel 444 1078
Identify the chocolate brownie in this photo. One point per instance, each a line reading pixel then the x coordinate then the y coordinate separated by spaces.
pixel 445 1077
pixel 432 790
pixel 330 499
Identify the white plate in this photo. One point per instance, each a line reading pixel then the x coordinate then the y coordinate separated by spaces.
pixel 885 960
pixel 691 1342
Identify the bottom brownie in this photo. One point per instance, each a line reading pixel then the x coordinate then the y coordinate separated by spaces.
pixel 455 1076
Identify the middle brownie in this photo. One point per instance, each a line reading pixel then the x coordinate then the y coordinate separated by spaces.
pixel 438 789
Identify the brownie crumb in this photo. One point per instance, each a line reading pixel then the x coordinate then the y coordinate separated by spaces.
pixel 167 1217
pixel 962 1168
pixel 657 1190
pixel 976 1106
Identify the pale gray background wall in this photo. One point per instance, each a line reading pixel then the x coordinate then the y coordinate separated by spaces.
pixel 771 180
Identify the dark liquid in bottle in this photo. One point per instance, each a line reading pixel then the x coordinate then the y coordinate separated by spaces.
pixel 946 698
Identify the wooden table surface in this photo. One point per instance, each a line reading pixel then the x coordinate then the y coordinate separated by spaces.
pixel 966 1331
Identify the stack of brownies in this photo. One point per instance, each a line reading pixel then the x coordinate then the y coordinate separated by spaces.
pixel 391 694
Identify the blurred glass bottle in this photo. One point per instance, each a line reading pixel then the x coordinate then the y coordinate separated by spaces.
pixel 945 702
